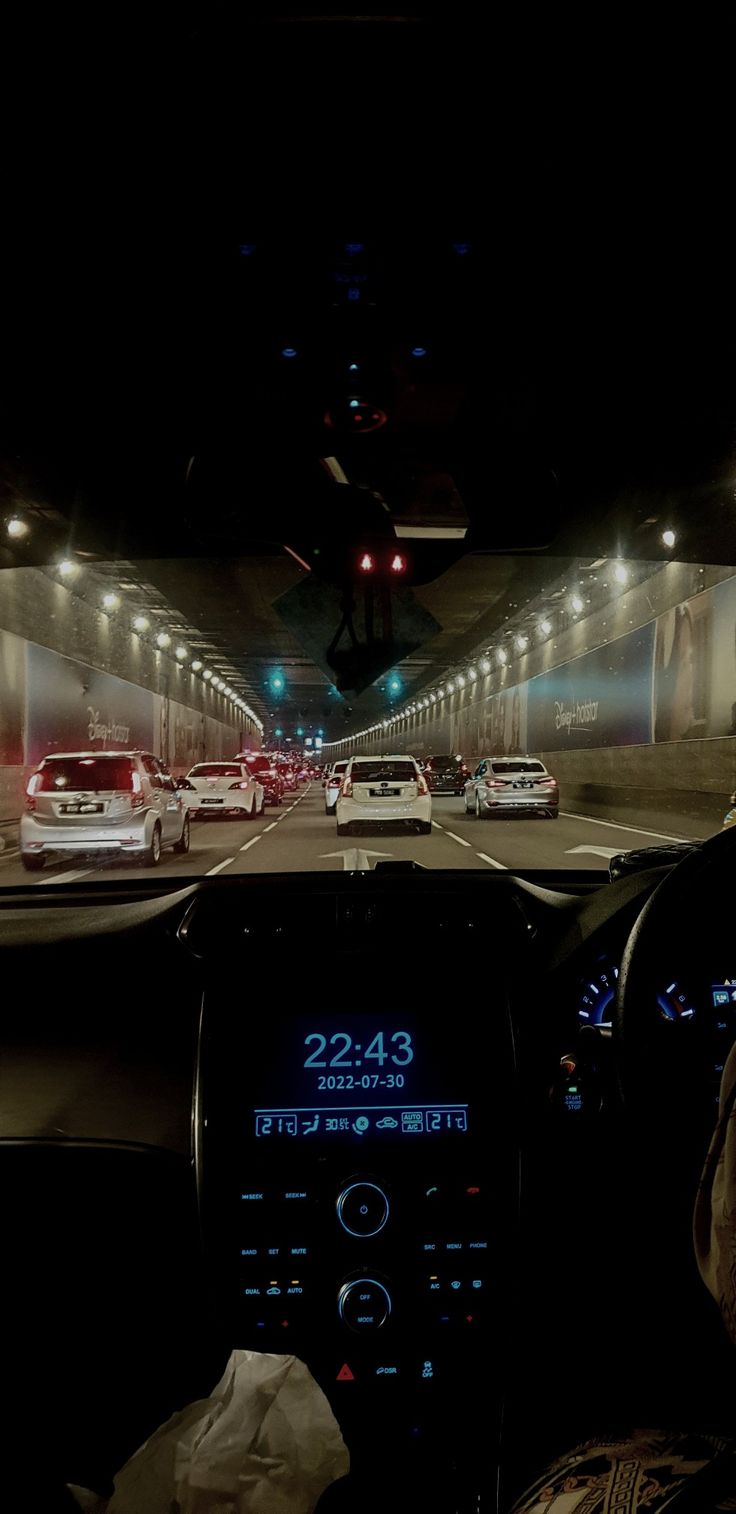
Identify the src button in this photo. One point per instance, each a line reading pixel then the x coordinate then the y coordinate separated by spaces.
pixel 364 1304
pixel 362 1209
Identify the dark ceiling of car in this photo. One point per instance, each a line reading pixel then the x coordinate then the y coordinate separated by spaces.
pixel 221 214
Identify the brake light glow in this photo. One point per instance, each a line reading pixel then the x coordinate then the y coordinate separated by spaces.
pixel 548 780
pixel 239 785
pixel 34 784
pixel 495 783
pixel 137 799
pixel 347 788
pixel 421 784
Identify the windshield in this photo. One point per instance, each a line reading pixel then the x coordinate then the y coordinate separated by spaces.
pixel 215 770
pixel 376 772
pixel 598 694
pixel 84 773
pixel 517 767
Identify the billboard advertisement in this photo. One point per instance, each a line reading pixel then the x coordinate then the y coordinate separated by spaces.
pixel 73 708
pixel 12 698
pixel 603 698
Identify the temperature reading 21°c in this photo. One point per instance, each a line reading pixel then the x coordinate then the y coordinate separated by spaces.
pixel 341 1050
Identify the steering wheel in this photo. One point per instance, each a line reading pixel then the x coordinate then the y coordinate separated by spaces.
pixel 669 1062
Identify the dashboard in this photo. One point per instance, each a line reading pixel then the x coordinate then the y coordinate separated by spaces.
pixel 358 1134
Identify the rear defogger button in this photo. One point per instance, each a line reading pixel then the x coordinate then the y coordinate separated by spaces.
pixel 362 1209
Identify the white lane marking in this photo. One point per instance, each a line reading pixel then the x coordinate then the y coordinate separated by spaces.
pixel 355 860
pixel 212 870
pixel 437 825
pixel 617 826
pixel 271 827
pixel 67 877
pixel 492 861
pixel 250 843
pixel 594 851
pixel 459 839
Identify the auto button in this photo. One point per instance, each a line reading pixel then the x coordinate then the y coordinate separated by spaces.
pixel 362 1209
pixel 364 1304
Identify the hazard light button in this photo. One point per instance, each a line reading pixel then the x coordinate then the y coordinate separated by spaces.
pixel 345 1375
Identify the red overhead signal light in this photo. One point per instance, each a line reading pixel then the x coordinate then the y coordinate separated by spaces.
pixel 366 562
pixel 398 563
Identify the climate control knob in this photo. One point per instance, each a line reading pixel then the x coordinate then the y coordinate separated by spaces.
pixel 362 1209
pixel 364 1304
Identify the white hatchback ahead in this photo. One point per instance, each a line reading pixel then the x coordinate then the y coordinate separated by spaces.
pixel 388 791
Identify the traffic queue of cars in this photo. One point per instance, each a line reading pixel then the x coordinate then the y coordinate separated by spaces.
pixel 397 790
pixel 128 803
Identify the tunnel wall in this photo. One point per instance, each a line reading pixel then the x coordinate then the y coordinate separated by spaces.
pixel 72 678
pixel 632 708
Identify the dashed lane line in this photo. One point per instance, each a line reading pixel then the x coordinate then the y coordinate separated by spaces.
pixel 218 869
pixel 492 861
pixel 437 825
pixel 270 827
pixel 67 877
pixel 249 844
pixel 459 839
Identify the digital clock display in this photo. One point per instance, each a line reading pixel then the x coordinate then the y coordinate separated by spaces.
pixel 359 1077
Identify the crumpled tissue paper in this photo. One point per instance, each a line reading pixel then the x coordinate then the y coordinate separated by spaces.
pixel 264 1442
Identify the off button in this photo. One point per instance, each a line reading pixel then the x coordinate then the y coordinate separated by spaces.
pixel 364 1304
pixel 362 1209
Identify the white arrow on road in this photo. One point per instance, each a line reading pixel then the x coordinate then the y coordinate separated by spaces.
pixel 595 851
pixel 354 860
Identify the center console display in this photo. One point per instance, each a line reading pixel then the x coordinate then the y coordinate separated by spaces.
pixel 360 1077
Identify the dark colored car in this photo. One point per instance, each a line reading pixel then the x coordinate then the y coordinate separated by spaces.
pixel 446 774
pixel 265 770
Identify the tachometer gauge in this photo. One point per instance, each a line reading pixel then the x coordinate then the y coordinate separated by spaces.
pixel 674 1002
pixel 595 1004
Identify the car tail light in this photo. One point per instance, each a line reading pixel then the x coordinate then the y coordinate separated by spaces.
pixel 421 784
pixel 137 797
pixel 34 784
pixel 239 785
pixel 347 788
pixel 548 781
pixel 495 783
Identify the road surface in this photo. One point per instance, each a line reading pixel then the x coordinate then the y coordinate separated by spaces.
pixel 299 837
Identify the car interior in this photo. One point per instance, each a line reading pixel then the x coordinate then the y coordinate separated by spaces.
pixel 436 1131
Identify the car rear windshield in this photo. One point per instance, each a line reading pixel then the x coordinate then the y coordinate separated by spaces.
pixel 216 770
pixel 370 772
pixel 80 773
pixel 518 767
pixel 442 762
pixel 258 764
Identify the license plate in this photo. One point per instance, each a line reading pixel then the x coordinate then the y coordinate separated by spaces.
pixel 525 783
pixel 81 809
pixel 211 801
pixel 384 793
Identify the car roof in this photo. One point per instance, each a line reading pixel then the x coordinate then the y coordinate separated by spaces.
pixel 513 757
pixel 386 757
pixel 69 756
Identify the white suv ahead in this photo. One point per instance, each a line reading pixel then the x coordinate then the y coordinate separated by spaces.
pixel 388 791
pixel 98 802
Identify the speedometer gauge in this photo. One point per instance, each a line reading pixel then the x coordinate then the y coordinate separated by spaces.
pixel 595 1004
